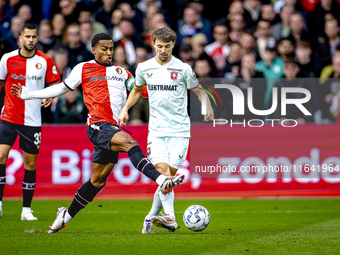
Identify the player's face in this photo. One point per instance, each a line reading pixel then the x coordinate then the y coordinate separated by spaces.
pixel 29 39
pixel 163 49
pixel 103 51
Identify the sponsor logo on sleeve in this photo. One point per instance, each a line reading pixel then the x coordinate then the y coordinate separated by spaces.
pixel 54 70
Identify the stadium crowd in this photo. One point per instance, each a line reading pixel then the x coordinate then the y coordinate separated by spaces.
pixel 298 41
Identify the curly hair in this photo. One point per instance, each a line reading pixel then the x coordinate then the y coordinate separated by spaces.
pixel 164 34
pixel 100 36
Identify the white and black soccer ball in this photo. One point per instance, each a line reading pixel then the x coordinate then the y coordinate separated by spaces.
pixel 196 218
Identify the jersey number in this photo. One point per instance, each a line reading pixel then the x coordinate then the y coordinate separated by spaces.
pixel 37 141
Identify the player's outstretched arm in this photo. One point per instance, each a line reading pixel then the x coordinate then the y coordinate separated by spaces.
pixel 209 116
pixel 132 99
pixel 49 92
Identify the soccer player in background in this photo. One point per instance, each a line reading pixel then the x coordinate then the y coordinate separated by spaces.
pixel 104 89
pixel 167 79
pixel 32 68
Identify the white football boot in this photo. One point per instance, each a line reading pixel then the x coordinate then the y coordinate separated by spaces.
pixel 170 183
pixel 59 222
pixel 165 221
pixel 147 226
pixel 27 215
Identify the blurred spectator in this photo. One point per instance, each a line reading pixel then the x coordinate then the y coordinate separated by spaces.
pixel 152 23
pixel 12 36
pixel 272 68
pixel 70 9
pixel 202 68
pixel 316 19
pixel 119 58
pixel 130 40
pixel 142 55
pixel 191 24
pixel 291 71
pixel 281 29
pixel 61 61
pixel 278 5
pixel 249 78
pixel 46 40
pixel 268 13
pixel 335 107
pixel 264 38
pixel 310 67
pixel 25 12
pixel 139 113
pixel 326 46
pixel 143 5
pixel 15 5
pixel 236 27
pixel 104 13
pixel 5 17
pixel 198 43
pixel 185 54
pixel 233 62
pixel 85 15
pixel 86 32
pixel 117 16
pixel 129 13
pixel 236 7
pixel 247 44
pixel 59 27
pixel 285 48
pixel 329 86
pixel 219 49
pixel 77 51
pixel 254 9
pixel 298 29
pixel 70 108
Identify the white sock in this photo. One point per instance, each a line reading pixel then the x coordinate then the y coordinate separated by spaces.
pixel 168 203
pixel 160 179
pixel 0 203
pixel 26 209
pixel 68 218
pixel 156 204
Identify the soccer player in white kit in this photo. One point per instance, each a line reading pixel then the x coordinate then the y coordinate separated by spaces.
pixel 167 79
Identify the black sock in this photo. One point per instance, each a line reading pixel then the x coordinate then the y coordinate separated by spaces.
pixel 83 197
pixel 2 179
pixel 28 187
pixel 142 163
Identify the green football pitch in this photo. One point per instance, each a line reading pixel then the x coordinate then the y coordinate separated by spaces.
pixel 247 226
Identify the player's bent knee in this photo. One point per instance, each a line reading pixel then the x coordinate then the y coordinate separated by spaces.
pixel 3 158
pixel 30 166
pixel 98 181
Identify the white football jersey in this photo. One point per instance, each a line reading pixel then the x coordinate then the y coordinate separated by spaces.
pixel 168 99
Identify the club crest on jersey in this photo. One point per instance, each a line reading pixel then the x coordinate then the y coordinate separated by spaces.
pixel 38 66
pixel 174 75
pixel 119 70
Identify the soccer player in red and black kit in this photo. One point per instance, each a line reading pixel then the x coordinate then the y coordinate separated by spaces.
pixel 104 88
pixel 32 68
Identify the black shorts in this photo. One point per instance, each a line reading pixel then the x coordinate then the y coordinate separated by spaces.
pixel 100 135
pixel 29 136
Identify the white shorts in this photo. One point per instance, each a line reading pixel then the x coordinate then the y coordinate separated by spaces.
pixel 170 150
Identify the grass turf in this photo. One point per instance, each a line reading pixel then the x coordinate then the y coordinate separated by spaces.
pixel 294 226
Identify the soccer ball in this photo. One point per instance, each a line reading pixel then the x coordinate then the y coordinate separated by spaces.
pixel 196 218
